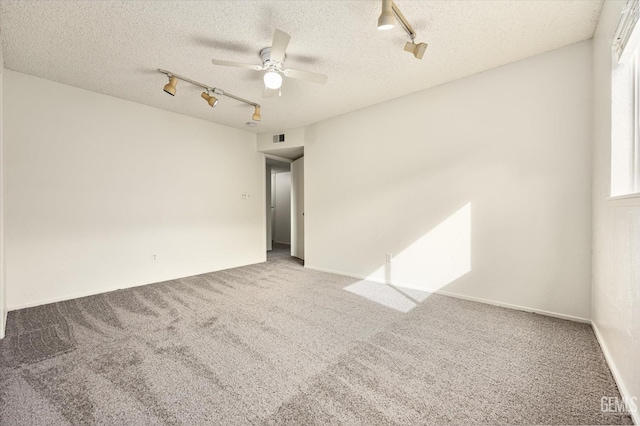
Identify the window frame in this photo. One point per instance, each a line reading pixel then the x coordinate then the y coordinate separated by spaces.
pixel 626 53
pixel 635 122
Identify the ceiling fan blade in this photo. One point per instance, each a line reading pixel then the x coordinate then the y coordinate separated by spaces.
pixel 306 76
pixel 270 93
pixel 279 45
pixel 236 64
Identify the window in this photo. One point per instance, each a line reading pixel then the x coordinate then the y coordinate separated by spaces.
pixel 635 144
pixel 625 131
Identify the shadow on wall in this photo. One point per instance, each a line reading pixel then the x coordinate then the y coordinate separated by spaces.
pixel 435 260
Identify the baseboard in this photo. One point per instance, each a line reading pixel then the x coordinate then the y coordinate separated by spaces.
pixel 69 297
pixel 461 296
pixel 114 288
pixel 330 271
pixel 614 371
pixel 516 307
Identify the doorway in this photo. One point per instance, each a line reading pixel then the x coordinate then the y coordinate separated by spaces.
pixel 278 192
pixel 281 188
pixel 285 205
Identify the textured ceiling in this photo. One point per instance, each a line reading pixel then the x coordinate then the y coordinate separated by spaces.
pixel 114 47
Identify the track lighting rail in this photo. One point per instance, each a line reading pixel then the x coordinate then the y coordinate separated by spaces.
pixel 211 89
pixel 405 24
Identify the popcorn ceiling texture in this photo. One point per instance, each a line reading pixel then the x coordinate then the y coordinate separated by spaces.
pixel 114 47
pixel 275 343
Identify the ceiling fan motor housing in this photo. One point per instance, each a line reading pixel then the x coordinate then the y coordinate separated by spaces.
pixel 268 63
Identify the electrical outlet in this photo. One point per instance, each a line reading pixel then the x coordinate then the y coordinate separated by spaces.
pixel 154 257
pixel 388 258
pixel 244 196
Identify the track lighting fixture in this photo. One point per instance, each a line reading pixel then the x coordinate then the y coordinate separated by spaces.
pixel 387 21
pixel 170 87
pixel 211 100
pixel 256 113
pixel 417 49
pixel 210 94
pixel 272 80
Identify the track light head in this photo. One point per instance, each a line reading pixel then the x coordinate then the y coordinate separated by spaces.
pixel 256 115
pixel 416 49
pixel 272 80
pixel 211 100
pixel 170 87
pixel 386 21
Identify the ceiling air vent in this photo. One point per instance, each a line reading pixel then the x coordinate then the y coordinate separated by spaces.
pixel 278 138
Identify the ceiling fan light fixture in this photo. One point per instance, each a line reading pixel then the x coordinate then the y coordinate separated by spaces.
pixel 256 114
pixel 211 100
pixel 272 80
pixel 272 67
pixel 170 87
pixel 386 21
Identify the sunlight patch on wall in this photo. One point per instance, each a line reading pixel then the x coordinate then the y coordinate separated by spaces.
pixel 433 261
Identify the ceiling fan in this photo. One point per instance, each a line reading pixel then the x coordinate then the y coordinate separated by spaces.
pixel 273 63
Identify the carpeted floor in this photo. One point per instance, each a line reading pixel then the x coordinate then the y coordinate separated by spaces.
pixel 274 343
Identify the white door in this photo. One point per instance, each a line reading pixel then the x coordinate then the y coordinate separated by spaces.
pixel 297 208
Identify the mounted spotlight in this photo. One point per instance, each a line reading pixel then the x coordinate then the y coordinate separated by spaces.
pixel 272 80
pixel 386 21
pixel 417 49
pixel 256 115
pixel 211 100
pixel 170 87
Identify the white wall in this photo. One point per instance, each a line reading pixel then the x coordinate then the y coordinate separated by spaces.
pixel 480 187
pixel 282 231
pixel 616 227
pixel 3 293
pixel 97 185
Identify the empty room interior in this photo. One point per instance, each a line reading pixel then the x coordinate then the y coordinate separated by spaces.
pixel 320 212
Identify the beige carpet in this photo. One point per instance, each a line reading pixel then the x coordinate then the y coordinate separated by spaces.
pixel 277 344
